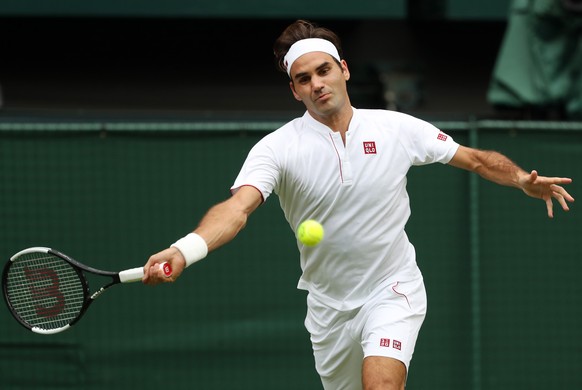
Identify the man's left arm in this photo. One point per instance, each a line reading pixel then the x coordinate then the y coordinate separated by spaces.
pixel 499 169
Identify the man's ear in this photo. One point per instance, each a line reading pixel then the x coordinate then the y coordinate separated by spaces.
pixel 345 69
pixel 297 97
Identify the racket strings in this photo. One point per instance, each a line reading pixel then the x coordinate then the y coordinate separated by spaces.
pixel 45 291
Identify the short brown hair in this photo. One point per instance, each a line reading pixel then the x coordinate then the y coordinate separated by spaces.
pixel 301 29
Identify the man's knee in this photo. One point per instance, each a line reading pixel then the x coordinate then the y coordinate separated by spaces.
pixel 383 373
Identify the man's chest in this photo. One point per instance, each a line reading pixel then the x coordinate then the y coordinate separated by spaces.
pixel 368 164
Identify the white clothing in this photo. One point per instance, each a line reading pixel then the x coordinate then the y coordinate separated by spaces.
pixel 386 325
pixel 357 191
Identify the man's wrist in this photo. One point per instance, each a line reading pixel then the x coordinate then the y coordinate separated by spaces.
pixel 193 248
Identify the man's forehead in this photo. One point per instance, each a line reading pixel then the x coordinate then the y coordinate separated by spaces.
pixel 310 62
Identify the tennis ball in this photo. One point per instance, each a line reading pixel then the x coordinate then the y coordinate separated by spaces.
pixel 310 232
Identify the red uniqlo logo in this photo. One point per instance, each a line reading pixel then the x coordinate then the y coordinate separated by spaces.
pixel 384 342
pixel 370 147
pixel 397 345
pixel 442 137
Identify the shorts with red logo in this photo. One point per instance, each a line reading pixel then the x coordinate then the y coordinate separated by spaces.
pixel 387 325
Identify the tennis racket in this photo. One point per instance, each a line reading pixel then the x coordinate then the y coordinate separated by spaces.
pixel 47 291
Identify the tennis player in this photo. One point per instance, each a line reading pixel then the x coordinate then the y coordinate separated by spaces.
pixel 346 168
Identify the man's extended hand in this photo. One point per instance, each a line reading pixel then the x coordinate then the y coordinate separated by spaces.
pixel 546 188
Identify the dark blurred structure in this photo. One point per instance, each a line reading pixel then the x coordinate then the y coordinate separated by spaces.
pixel 430 58
pixel 537 74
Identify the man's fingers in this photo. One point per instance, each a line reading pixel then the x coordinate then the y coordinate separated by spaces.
pixel 151 273
pixel 561 200
pixel 550 207
pixel 558 190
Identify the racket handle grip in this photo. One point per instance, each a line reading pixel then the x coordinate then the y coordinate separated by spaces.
pixel 136 274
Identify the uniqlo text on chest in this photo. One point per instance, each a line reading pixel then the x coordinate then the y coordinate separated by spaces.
pixel 370 147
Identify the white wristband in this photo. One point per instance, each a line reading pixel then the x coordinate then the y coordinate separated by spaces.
pixel 193 248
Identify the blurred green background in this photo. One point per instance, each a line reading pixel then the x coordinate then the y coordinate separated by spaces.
pixel 502 278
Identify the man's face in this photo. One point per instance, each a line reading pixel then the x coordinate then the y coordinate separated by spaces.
pixel 320 83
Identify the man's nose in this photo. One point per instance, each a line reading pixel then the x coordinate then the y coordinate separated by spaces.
pixel 317 83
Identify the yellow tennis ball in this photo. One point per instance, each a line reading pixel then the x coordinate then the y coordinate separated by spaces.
pixel 310 232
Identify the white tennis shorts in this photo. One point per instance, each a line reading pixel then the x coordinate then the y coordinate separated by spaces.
pixel 387 325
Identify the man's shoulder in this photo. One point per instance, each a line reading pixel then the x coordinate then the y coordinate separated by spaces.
pixel 292 129
pixel 282 135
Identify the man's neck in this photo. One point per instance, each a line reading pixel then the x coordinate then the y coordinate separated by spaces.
pixel 338 122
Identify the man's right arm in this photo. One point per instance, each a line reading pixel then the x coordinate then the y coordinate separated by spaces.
pixel 219 226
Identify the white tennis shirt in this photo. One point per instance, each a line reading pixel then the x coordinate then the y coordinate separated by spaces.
pixel 357 191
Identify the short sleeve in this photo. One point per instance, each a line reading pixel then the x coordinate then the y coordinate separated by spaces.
pixel 260 169
pixel 426 144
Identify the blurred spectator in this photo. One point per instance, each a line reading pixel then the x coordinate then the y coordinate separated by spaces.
pixel 538 70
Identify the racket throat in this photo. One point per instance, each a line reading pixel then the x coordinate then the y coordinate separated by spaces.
pixel 97 293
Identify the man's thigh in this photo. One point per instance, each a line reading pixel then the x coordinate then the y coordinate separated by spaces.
pixel 338 357
pixel 389 324
pixel 385 328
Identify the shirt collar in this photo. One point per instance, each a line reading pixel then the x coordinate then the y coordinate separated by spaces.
pixel 315 124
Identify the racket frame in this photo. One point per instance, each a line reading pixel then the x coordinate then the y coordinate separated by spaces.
pixel 88 296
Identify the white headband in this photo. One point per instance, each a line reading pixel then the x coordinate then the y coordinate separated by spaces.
pixel 309 45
